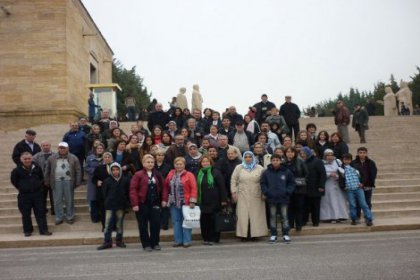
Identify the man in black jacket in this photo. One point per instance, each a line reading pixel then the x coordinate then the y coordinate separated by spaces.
pixel 263 108
pixel 367 170
pixel 26 145
pixel 158 117
pixel 28 179
pixel 291 113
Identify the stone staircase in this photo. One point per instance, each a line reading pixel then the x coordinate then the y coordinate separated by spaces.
pixel 392 142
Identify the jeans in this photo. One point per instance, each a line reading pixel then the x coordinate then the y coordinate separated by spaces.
pixel 368 198
pixel 110 217
pixel 274 209
pixel 148 215
pixel 358 197
pixel 181 235
pixel 63 189
pixel 131 111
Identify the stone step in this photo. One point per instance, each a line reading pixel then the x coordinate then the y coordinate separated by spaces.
pixel 378 197
pixel 5 211
pixel 397 212
pixel 393 182
pixel 398 175
pixel 131 236
pixel 393 204
pixel 397 189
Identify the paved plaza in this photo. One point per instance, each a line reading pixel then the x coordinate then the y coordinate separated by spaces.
pixel 382 255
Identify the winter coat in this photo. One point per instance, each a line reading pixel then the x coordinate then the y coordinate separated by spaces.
pixel 157 118
pixel 367 171
pixel 317 176
pixel 250 206
pixel 126 161
pixel 291 113
pixel 340 149
pixel 139 187
pixel 91 163
pixel 212 197
pixel 115 191
pixel 21 147
pixel 262 110
pixel 27 180
pixel 277 184
pixel 360 119
pixel 299 170
pixel 77 142
pixel 75 170
pixel 189 183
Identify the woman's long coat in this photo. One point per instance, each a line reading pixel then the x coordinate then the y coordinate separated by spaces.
pixel 250 206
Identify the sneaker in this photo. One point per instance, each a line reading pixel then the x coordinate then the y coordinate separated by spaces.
pixel 369 224
pixel 148 249
pixel 120 244
pixel 157 248
pixel 105 246
pixel 273 239
pixel 177 245
pixel 286 238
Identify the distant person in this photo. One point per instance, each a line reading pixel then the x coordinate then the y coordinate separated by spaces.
pixel 92 107
pixel 27 178
pixel 233 115
pixel 263 108
pixel 158 117
pixel 291 113
pixel 342 120
pixel 405 111
pixel 26 145
pixel 152 106
pixel 360 121
pixel 416 110
pixel 130 104
pixel 371 108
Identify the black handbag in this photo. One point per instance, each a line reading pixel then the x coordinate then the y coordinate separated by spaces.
pixel 225 221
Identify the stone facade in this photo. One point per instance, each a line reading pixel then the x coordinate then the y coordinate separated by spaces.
pixel 50 51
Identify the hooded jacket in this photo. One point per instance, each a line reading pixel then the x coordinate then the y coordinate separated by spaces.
pixel 277 184
pixel 115 190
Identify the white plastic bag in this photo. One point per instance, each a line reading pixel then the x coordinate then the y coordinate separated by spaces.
pixel 191 217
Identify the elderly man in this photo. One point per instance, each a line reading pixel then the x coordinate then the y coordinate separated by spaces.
pixel 63 174
pixel 27 178
pixel 26 145
pixel 233 116
pixel 41 159
pixel 241 138
pixel 176 150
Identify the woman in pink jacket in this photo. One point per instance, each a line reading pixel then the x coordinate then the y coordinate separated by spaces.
pixel 182 188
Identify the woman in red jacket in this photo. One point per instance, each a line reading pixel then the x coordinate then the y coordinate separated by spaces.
pixel 147 195
pixel 181 186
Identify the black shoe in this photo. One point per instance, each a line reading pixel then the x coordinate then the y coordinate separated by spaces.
pixel 105 246
pixel 298 229
pixel 353 222
pixel 157 248
pixel 45 233
pixel 316 225
pixel 148 249
pixel 369 224
pixel 52 213
pixel 244 239
pixel 120 244
pixel 27 234
pixel 58 222
pixel 70 222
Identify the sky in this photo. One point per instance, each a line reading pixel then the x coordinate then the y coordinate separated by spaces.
pixel 236 50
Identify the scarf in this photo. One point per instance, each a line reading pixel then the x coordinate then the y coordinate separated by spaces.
pixel 210 180
pixel 177 190
pixel 251 166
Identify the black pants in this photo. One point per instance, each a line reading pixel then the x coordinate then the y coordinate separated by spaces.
pixel 296 210
pixel 313 207
pixel 49 192
pixel 207 224
pixel 164 218
pixel 35 201
pixel 149 216
pixel 294 128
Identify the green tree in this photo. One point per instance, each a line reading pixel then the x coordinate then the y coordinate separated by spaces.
pixel 414 85
pixel 131 84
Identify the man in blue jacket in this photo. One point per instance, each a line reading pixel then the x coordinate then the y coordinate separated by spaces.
pixel 277 185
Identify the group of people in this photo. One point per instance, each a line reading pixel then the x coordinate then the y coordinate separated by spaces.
pixel 261 165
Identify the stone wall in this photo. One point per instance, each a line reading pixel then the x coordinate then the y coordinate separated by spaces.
pixel 45 61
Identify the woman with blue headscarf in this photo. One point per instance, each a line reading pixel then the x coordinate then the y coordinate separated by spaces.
pixel 246 192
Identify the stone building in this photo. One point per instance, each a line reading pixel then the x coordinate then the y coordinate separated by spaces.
pixel 49 52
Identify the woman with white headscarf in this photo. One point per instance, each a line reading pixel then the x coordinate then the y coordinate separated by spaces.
pixel 246 192
pixel 333 204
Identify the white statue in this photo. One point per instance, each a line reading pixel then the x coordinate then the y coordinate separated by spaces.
pixel 390 103
pixel 182 99
pixel 197 99
pixel 405 95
